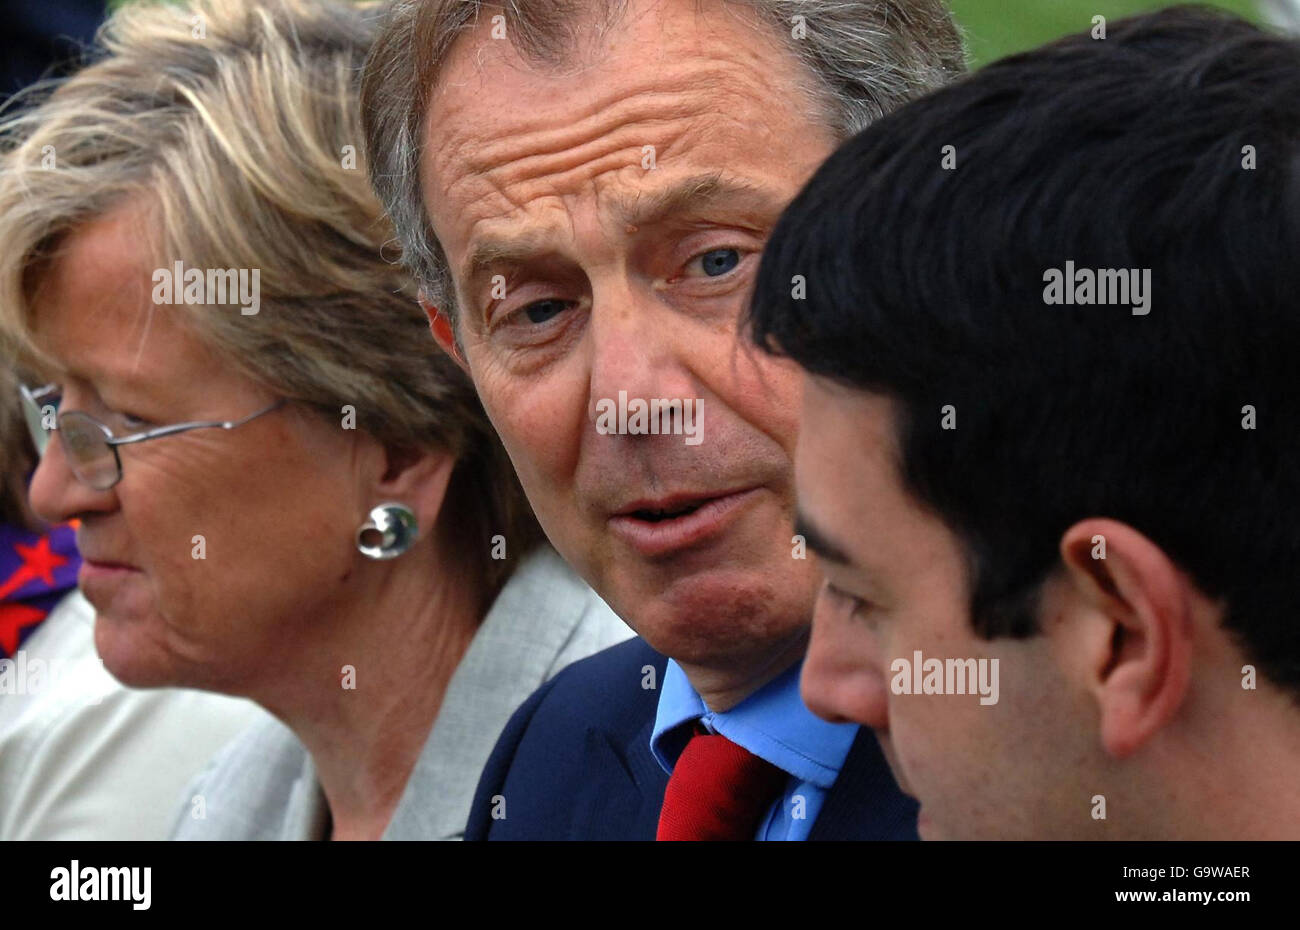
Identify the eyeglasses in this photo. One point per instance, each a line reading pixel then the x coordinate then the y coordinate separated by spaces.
pixel 89 445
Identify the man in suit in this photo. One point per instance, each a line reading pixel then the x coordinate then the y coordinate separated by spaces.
pixel 1049 444
pixel 583 192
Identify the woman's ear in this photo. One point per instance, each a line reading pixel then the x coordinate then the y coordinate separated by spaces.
pixel 1139 647
pixel 444 332
pixel 419 479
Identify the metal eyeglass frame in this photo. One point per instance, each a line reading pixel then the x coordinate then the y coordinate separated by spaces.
pixel 35 398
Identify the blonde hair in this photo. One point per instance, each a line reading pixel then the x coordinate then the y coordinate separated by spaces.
pixel 16 455
pixel 238 122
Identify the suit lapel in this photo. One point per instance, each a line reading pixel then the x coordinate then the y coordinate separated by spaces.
pixel 865 802
pixel 626 792
pixel 625 788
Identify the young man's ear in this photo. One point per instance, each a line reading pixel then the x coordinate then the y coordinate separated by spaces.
pixel 1137 647
pixel 443 333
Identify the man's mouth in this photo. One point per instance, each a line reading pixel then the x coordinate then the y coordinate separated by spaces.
pixel 657 515
pixel 662 526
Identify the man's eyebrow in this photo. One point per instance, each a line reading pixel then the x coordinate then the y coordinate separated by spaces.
pixel 696 192
pixel 819 542
pixel 690 194
pixel 495 251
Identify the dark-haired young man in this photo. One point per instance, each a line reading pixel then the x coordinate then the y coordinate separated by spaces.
pixel 1050 434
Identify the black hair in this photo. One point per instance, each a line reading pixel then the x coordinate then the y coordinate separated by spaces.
pixel 1173 144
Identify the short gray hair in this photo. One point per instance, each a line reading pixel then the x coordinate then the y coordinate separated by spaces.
pixel 868 57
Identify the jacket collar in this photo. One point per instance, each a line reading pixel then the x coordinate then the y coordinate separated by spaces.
pixel 511 655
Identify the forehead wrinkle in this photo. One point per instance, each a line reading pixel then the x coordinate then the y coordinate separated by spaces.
pixel 695 64
pixel 520 169
pixel 561 140
pixel 498 195
pixel 520 147
pixel 513 163
pixel 484 145
pixel 511 187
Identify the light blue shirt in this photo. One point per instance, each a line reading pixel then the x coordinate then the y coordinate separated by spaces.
pixel 772 723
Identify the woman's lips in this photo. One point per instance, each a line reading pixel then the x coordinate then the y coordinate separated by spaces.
pixel 661 537
pixel 101 582
pixel 93 571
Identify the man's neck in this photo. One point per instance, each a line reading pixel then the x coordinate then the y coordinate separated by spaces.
pixel 1233 775
pixel 724 686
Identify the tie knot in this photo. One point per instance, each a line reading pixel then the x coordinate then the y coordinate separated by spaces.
pixel 718 791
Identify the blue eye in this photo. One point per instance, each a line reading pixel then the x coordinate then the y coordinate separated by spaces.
pixel 719 261
pixel 543 310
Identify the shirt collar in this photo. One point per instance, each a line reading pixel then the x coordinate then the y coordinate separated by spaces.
pixel 772 723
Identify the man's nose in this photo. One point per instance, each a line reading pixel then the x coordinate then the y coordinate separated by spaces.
pixel 635 348
pixel 841 681
pixel 56 494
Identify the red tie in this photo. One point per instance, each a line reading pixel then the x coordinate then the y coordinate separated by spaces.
pixel 718 791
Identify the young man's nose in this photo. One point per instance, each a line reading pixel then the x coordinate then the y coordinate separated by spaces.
pixel 836 683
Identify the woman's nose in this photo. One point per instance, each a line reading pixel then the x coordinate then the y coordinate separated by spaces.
pixel 56 494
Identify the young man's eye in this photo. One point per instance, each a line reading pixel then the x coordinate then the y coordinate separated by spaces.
pixel 132 422
pixel 852 602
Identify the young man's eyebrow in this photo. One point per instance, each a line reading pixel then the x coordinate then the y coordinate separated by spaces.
pixel 819 542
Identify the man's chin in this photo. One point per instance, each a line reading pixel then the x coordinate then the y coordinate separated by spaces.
pixel 712 624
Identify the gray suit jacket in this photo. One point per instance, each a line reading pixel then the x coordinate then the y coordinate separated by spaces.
pixel 263 784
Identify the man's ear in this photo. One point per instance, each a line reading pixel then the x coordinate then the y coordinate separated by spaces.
pixel 443 333
pixel 1139 658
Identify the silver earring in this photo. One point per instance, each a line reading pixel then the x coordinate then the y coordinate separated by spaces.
pixel 389 532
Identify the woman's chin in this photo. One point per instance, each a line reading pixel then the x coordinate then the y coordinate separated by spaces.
pixel 129 654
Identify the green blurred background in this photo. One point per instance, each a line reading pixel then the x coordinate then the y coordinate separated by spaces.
pixel 995 28
pixel 999 27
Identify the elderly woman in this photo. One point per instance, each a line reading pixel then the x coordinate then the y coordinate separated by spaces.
pixel 81 756
pixel 283 491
